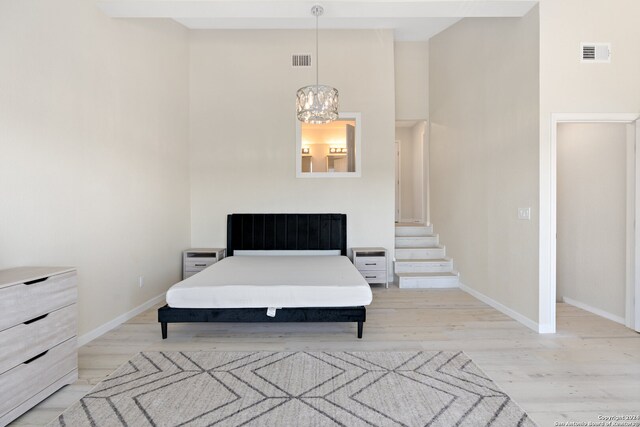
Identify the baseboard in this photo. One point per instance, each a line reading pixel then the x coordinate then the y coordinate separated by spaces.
pixel 114 323
pixel 503 309
pixel 596 311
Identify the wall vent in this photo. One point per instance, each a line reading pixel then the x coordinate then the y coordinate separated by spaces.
pixel 595 52
pixel 301 60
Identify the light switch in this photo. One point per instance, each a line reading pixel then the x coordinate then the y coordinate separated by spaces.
pixel 524 213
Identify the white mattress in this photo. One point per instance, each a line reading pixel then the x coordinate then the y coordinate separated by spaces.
pixel 280 281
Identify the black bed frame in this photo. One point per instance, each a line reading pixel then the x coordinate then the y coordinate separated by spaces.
pixel 276 232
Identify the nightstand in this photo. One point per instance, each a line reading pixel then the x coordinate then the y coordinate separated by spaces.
pixel 197 259
pixel 372 264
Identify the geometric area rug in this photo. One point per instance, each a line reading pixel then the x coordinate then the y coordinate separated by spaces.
pixel 207 388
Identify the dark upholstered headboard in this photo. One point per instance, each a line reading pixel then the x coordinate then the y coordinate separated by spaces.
pixel 286 232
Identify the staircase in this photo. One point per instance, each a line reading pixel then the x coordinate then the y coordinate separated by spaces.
pixel 420 260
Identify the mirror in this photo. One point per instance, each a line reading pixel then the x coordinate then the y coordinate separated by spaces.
pixel 330 150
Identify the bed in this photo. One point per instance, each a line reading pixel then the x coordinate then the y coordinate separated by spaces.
pixel 279 268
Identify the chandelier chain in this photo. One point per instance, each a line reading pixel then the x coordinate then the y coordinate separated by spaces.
pixel 317 13
pixel 317 103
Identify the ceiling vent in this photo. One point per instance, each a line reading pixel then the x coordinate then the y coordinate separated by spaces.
pixel 301 60
pixel 595 52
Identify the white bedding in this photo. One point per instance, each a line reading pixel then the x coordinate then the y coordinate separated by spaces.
pixel 279 281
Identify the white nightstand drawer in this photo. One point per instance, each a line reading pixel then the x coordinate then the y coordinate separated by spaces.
pixel 375 276
pixel 25 380
pixel 197 264
pixel 197 259
pixel 27 340
pixel 25 301
pixel 371 263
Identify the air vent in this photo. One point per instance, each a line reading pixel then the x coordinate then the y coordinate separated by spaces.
pixel 595 52
pixel 301 60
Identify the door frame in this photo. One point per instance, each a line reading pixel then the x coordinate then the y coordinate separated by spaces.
pixel 426 171
pixel 398 187
pixel 548 218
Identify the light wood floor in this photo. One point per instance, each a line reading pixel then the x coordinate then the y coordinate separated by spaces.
pixel 590 367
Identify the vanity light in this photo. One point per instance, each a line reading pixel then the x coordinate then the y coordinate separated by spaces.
pixel 305 150
pixel 317 103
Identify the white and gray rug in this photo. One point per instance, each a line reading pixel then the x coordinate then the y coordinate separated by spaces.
pixel 297 389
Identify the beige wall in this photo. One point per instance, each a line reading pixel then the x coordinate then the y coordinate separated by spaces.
pixel 591 215
pixel 412 80
pixel 412 103
pixel 569 86
pixel 484 154
pixel 243 129
pixel 93 150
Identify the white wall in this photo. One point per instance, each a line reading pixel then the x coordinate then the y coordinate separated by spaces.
pixel 93 150
pixel 242 115
pixel 412 80
pixel 591 215
pixel 484 155
pixel 412 103
pixel 569 86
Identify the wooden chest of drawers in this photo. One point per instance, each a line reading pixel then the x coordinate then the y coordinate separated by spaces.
pixel 38 350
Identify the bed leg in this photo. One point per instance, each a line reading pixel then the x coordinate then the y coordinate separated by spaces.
pixel 163 326
pixel 360 326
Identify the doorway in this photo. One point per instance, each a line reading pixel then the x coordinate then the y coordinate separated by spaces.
pixel 548 218
pixel 591 242
pixel 410 171
pixel 398 181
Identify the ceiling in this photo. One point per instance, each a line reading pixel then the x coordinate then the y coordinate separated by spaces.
pixel 410 20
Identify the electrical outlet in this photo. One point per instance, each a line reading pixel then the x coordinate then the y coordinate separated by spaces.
pixel 524 213
pixel 141 281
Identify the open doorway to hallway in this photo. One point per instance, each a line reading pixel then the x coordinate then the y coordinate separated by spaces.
pixel 411 191
pixel 594 199
pixel 591 217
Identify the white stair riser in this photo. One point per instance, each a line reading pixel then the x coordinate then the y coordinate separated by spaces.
pixel 412 242
pixel 429 282
pixel 414 253
pixel 414 231
pixel 423 267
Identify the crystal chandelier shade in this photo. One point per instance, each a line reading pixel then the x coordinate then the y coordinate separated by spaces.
pixel 317 103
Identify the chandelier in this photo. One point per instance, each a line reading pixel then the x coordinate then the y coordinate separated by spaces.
pixel 317 103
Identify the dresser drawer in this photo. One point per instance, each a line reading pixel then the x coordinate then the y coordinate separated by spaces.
pixel 27 340
pixel 27 379
pixel 22 302
pixel 375 276
pixel 371 263
pixel 198 264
